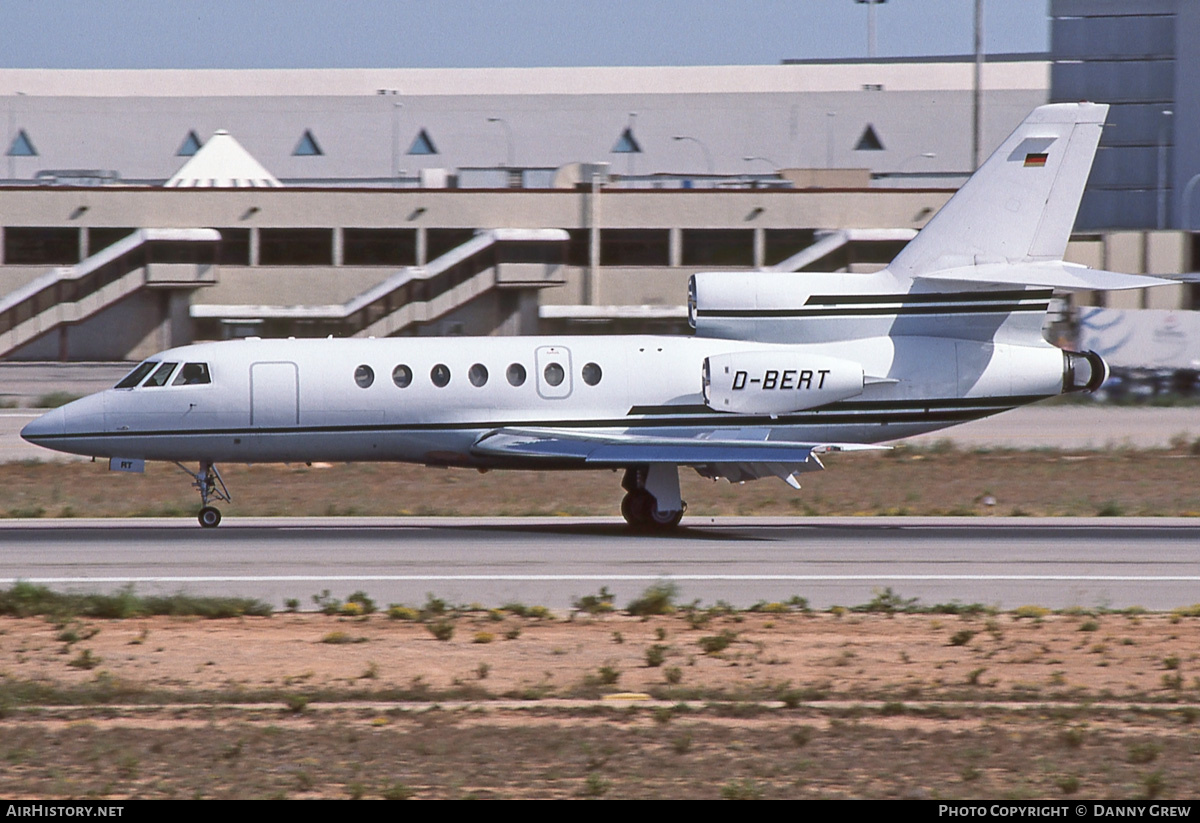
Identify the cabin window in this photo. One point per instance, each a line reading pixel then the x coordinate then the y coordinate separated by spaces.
pixel 402 376
pixel 364 376
pixel 478 375
pixel 160 376
pixel 135 376
pixel 516 374
pixel 193 374
pixel 592 374
pixel 440 375
pixel 554 374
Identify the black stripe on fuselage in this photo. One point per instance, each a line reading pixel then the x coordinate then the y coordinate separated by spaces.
pixel 881 311
pixel 870 405
pixel 857 305
pixel 923 412
pixel 931 297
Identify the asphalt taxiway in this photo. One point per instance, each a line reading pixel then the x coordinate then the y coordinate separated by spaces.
pixel 1004 562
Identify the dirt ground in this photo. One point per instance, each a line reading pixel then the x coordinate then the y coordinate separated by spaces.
pixel 1017 705
pixel 785 705
pixel 937 480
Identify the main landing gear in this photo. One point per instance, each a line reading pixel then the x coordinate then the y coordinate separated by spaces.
pixel 652 503
pixel 208 482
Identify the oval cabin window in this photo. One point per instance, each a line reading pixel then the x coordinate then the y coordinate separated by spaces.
pixel 440 375
pixel 554 374
pixel 364 376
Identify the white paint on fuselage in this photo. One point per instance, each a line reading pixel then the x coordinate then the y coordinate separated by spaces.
pixel 323 414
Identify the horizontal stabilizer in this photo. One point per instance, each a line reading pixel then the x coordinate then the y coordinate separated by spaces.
pixel 1054 274
pixel 615 449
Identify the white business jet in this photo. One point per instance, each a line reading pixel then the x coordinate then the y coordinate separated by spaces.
pixel 782 368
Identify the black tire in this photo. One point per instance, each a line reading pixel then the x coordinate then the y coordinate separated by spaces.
pixel 640 510
pixel 209 517
pixel 636 508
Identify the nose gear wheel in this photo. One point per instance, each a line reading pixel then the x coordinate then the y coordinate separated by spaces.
pixel 208 482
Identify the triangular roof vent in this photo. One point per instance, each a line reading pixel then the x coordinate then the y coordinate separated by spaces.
pixel 190 145
pixel 22 146
pixel 308 146
pixel 222 163
pixel 627 143
pixel 422 144
pixel 869 141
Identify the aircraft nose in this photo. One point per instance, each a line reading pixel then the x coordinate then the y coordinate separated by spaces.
pixel 48 425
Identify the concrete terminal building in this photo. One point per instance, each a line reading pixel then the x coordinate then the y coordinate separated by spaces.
pixel 435 201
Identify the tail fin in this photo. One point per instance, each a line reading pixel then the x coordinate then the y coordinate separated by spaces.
pixel 1020 206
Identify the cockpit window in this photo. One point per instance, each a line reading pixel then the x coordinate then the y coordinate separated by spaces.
pixel 160 377
pixel 193 374
pixel 135 376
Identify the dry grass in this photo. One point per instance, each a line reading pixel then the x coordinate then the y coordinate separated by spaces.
pixel 798 705
pixel 906 481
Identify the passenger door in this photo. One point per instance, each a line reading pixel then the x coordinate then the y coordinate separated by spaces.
pixel 274 394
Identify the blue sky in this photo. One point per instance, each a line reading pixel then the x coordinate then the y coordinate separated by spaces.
pixel 475 33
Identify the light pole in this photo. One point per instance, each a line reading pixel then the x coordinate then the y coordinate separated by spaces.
pixel 774 166
pixel 1187 202
pixel 871 4
pixel 703 148
pixel 829 115
pixel 925 155
pixel 977 90
pixel 508 140
pixel 396 138
pixel 1162 168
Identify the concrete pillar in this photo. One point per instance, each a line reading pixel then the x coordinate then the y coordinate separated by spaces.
pixel 339 246
pixel 422 246
pixel 591 289
pixel 255 242
pixel 179 317
pixel 760 247
pixel 675 246
pixel 83 243
pixel 527 311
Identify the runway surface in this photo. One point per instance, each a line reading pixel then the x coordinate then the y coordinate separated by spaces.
pixel 1006 562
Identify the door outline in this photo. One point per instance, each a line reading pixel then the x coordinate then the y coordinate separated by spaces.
pixel 272 385
pixel 544 356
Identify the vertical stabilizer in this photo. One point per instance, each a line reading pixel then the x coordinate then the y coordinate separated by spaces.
pixel 1020 206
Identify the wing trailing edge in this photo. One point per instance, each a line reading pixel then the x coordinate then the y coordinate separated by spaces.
pixel 604 449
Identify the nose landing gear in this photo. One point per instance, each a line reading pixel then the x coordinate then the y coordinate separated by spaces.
pixel 208 482
pixel 652 503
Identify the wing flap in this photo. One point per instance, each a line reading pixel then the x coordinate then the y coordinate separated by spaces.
pixel 616 449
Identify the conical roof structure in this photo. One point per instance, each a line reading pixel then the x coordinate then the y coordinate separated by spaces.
pixel 222 163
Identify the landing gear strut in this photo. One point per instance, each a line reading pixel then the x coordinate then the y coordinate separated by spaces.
pixel 652 503
pixel 208 482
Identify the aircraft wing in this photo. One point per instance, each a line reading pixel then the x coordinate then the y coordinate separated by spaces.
pixel 735 459
pixel 1055 274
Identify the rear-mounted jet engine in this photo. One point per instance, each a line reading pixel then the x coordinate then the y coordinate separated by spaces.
pixel 777 382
